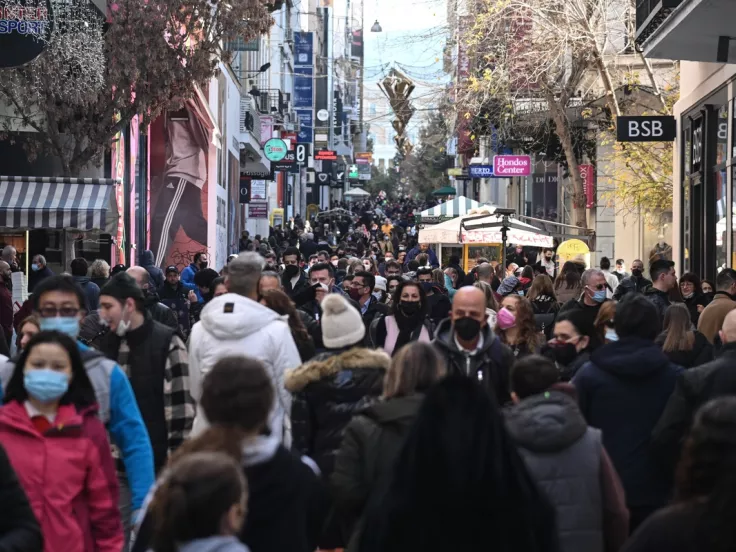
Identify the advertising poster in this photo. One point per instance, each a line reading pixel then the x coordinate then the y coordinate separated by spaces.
pixel 179 150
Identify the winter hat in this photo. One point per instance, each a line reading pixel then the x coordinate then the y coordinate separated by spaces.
pixel 508 285
pixel 122 286
pixel 380 283
pixel 342 325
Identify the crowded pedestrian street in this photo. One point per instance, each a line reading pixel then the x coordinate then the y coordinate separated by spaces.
pixel 367 276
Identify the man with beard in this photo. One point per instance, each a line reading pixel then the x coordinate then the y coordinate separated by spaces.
pixel 635 283
pixel 293 279
pixel 175 295
pixel 469 346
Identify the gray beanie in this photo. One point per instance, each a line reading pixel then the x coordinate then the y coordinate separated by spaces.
pixel 342 325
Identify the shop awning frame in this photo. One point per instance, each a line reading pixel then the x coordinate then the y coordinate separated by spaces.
pixel 58 203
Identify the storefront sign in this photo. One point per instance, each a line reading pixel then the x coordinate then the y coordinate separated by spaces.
pixel 275 149
pixel 303 87
pixel 455 171
pixel 587 173
pixel 244 189
pixel 480 171
pixel 512 165
pixel 258 210
pixel 287 164
pixel 325 155
pixel 659 128
pixel 306 125
pixel 303 48
pixel 25 27
pixel 258 189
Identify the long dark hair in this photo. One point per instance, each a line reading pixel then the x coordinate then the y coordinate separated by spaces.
pixel 395 307
pixel 569 276
pixel 541 285
pixel 279 302
pixel 528 334
pixel 705 475
pixel 80 393
pixel 459 483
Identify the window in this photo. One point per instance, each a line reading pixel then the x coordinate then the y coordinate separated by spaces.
pixel 720 184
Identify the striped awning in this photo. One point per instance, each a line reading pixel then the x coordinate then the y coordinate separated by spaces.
pixel 28 202
pixel 457 207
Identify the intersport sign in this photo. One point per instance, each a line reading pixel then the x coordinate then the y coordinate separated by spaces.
pixel 512 165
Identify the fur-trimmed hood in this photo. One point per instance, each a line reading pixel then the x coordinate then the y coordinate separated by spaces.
pixel 357 358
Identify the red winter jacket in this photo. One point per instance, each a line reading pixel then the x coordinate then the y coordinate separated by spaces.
pixel 69 477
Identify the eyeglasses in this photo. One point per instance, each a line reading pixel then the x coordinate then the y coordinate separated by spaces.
pixel 52 312
pixel 599 287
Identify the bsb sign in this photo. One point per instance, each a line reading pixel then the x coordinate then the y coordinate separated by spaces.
pixel 659 128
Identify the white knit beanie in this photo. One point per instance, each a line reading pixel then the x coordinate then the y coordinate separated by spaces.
pixel 342 325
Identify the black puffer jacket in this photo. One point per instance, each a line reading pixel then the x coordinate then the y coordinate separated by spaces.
pixel 327 392
pixel 630 284
pixel 369 449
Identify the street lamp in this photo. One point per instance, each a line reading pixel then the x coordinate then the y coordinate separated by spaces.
pixel 376 28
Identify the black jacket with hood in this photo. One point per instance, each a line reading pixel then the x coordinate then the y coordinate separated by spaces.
pixel 491 364
pixel 623 391
pixel 364 463
pixel 157 275
pixel 327 392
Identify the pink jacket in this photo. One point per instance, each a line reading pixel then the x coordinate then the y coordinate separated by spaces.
pixel 69 477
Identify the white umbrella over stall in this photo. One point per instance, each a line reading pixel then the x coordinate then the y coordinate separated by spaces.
pixel 355 193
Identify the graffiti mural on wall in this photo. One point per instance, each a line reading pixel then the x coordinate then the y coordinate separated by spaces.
pixel 179 183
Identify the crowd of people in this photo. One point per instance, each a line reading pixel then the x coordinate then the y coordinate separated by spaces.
pixel 336 386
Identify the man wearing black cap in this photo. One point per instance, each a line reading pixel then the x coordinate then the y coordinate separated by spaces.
pixel 175 295
pixel 155 359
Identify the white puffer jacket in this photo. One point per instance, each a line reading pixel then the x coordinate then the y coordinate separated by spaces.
pixel 233 325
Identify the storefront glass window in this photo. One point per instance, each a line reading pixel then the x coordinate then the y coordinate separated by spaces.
pixel 490 252
pixel 722 140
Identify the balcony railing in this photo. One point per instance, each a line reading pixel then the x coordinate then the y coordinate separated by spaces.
pixel 650 14
pixel 250 118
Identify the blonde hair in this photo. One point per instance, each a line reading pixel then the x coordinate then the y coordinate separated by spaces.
pixel 414 369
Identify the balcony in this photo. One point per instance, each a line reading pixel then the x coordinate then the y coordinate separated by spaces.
pixel 250 123
pixel 650 14
pixel 686 30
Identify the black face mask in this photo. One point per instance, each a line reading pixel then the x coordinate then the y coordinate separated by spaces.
pixel 562 353
pixel 291 270
pixel 636 272
pixel 467 328
pixel 410 308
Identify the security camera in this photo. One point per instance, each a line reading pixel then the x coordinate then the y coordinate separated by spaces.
pixel 504 212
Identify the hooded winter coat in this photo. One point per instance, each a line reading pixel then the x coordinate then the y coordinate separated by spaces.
pixel 491 364
pixel 327 392
pixel 69 477
pixel 568 461
pixel 364 462
pixel 91 293
pixel 235 325
pixel 157 275
pixel 622 391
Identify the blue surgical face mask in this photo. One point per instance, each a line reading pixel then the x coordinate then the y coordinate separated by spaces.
pixel 599 296
pixel 68 325
pixel 45 384
pixel 611 334
pixel 35 267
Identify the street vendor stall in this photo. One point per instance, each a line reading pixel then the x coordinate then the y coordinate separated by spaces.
pixel 481 234
pixel 458 207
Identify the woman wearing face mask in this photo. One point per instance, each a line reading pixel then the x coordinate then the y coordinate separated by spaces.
pixel 59 448
pixel 370 265
pixel 570 343
pixel 604 327
pixel 708 289
pixel 407 322
pixel 516 328
pixel 392 282
pixel 544 303
pixel 693 296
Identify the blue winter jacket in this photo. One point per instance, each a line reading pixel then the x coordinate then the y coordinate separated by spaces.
pixel 187 278
pixel 412 254
pixel 119 411
pixel 622 391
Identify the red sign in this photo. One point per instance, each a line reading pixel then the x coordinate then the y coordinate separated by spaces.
pixel 587 173
pixel 291 137
pixel 325 155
